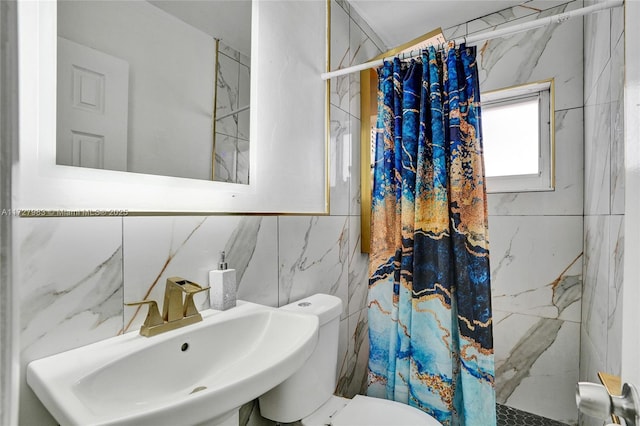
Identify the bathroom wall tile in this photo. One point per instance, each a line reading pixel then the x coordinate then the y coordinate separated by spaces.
pixel 519 246
pixel 492 20
pixel 567 198
pixel 540 5
pixel 313 257
pixel 70 292
pixel 617 26
pixel 243 159
pixel 534 355
pixel 160 247
pixel 595 294
pixel 590 365
pixel 227 94
pixel 590 361
pixel 71 282
pixel 366 29
pixel 225 167
pixel 597 133
pixel 352 378
pixel 354 191
pixel 454 32
pixel 340 56
pixel 617 129
pixel 244 95
pixel 362 47
pixel 553 51
pixel 343 349
pixel 597 47
pixel 340 161
pixel 616 280
pixel 358 269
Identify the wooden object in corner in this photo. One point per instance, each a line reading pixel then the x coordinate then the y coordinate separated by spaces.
pixel 613 384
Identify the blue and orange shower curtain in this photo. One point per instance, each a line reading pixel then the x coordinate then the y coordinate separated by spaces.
pixel 430 321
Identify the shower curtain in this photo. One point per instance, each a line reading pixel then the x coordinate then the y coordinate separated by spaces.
pixel 430 323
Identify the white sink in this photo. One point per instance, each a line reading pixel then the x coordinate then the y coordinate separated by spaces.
pixel 199 373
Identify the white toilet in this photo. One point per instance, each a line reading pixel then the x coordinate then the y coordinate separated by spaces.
pixel 308 394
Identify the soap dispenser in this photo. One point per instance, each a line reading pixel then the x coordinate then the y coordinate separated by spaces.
pixel 222 283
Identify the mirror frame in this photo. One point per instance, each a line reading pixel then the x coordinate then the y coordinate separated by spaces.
pixel 45 189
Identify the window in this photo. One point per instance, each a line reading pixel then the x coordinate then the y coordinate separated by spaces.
pixel 517 136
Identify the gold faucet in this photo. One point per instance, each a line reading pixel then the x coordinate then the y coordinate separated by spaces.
pixel 176 312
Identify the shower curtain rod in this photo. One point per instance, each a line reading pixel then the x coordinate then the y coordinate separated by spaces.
pixel 488 35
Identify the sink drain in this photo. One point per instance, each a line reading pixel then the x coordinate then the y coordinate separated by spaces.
pixel 198 389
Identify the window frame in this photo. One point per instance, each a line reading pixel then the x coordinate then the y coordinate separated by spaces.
pixel 544 180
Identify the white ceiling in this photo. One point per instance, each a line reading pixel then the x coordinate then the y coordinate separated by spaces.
pixel 227 20
pixel 394 21
pixel 399 21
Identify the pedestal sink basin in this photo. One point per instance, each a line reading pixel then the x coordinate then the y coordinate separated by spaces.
pixel 201 373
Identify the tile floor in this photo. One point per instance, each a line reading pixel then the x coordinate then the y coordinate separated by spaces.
pixel 508 416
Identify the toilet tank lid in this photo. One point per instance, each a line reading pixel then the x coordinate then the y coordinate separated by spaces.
pixel 325 306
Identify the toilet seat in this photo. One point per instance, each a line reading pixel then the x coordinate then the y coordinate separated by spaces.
pixel 369 411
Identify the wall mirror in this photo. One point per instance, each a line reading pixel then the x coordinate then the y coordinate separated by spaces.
pixel 155 87
pixel 263 143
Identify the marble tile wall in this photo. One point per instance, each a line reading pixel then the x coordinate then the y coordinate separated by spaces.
pixel 232 132
pixel 75 273
pixel 537 237
pixel 601 337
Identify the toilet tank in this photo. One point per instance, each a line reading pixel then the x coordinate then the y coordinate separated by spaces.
pixel 315 382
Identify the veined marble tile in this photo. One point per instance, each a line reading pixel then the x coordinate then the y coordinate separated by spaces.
pixel 533 356
pixel 340 161
pixel 540 5
pixel 597 135
pixel 353 367
pixel 227 94
pixel 343 350
pixel 344 4
pixel 617 26
pixel 492 20
pixel 313 257
pixel 244 94
pixel 590 361
pixel 617 158
pixel 366 29
pixel 71 289
pixel 362 48
pixel 229 51
pixel 71 282
pixel 340 56
pixel 590 365
pixel 536 265
pixel 226 158
pixel 553 51
pixel 617 129
pixel 597 47
pixel 595 293
pixel 243 159
pixel 567 199
pixel 616 277
pixel 358 269
pixel 452 33
pixel 354 191
pixel 160 247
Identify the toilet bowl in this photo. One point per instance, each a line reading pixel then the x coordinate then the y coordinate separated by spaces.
pixel 367 411
pixel 307 396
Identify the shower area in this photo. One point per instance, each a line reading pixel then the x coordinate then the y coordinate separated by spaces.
pixel 557 256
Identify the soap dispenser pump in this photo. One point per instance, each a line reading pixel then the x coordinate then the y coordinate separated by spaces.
pixel 222 283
